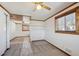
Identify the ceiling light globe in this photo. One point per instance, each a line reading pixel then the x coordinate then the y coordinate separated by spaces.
pixel 39 7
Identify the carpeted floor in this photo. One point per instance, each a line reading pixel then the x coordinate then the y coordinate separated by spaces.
pixel 23 47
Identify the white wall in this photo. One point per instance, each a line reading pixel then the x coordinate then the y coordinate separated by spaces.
pixel 13 30
pixel 67 42
pixel 16 28
pixel 37 30
pixel 19 31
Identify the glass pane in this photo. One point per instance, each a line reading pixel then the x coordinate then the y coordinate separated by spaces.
pixel 70 22
pixel 61 24
pixel 26 20
pixel 56 24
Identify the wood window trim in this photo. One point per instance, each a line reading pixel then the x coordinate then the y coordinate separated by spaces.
pixel 16 17
pixel 65 14
pixel 68 32
pixel 25 29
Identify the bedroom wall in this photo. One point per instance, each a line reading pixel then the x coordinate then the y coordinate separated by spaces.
pixel 19 31
pixel 12 29
pixel 37 30
pixel 16 28
pixel 66 42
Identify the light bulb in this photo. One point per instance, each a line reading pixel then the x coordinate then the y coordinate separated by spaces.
pixel 39 7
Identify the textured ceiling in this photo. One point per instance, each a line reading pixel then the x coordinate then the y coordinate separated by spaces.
pixel 27 8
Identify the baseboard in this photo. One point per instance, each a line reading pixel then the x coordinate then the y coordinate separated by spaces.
pixel 53 45
pixel 38 40
pixel 5 51
pixel 59 48
pixel 19 37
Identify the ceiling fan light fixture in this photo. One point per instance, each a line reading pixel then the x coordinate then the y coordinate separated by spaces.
pixel 39 7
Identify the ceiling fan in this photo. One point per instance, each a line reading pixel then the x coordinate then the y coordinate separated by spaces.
pixel 40 5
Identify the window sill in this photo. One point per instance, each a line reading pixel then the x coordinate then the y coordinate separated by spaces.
pixel 68 32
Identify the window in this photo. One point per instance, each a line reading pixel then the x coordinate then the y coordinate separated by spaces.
pixel 61 24
pixel 25 23
pixel 25 28
pixel 68 22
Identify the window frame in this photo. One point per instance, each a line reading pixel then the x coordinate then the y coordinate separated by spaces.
pixel 25 28
pixel 64 15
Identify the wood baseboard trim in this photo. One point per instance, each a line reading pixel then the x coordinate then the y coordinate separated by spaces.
pixel 38 40
pixel 5 51
pixel 19 37
pixel 53 45
pixel 59 49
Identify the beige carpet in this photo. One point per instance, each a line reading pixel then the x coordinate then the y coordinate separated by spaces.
pixel 23 47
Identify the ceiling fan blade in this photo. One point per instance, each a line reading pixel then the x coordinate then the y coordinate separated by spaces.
pixel 46 7
pixel 37 2
pixel 42 5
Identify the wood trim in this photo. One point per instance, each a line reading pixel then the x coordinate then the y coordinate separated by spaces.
pixel 4 9
pixel 59 49
pixel 25 26
pixel 16 17
pixel 67 13
pixel 52 45
pixel 5 51
pixel 76 32
pixel 38 40
pixel 77 20
pixel 60 11
pixel 18 37
pixel 68 32
pixel 21 15
pixel 36 20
